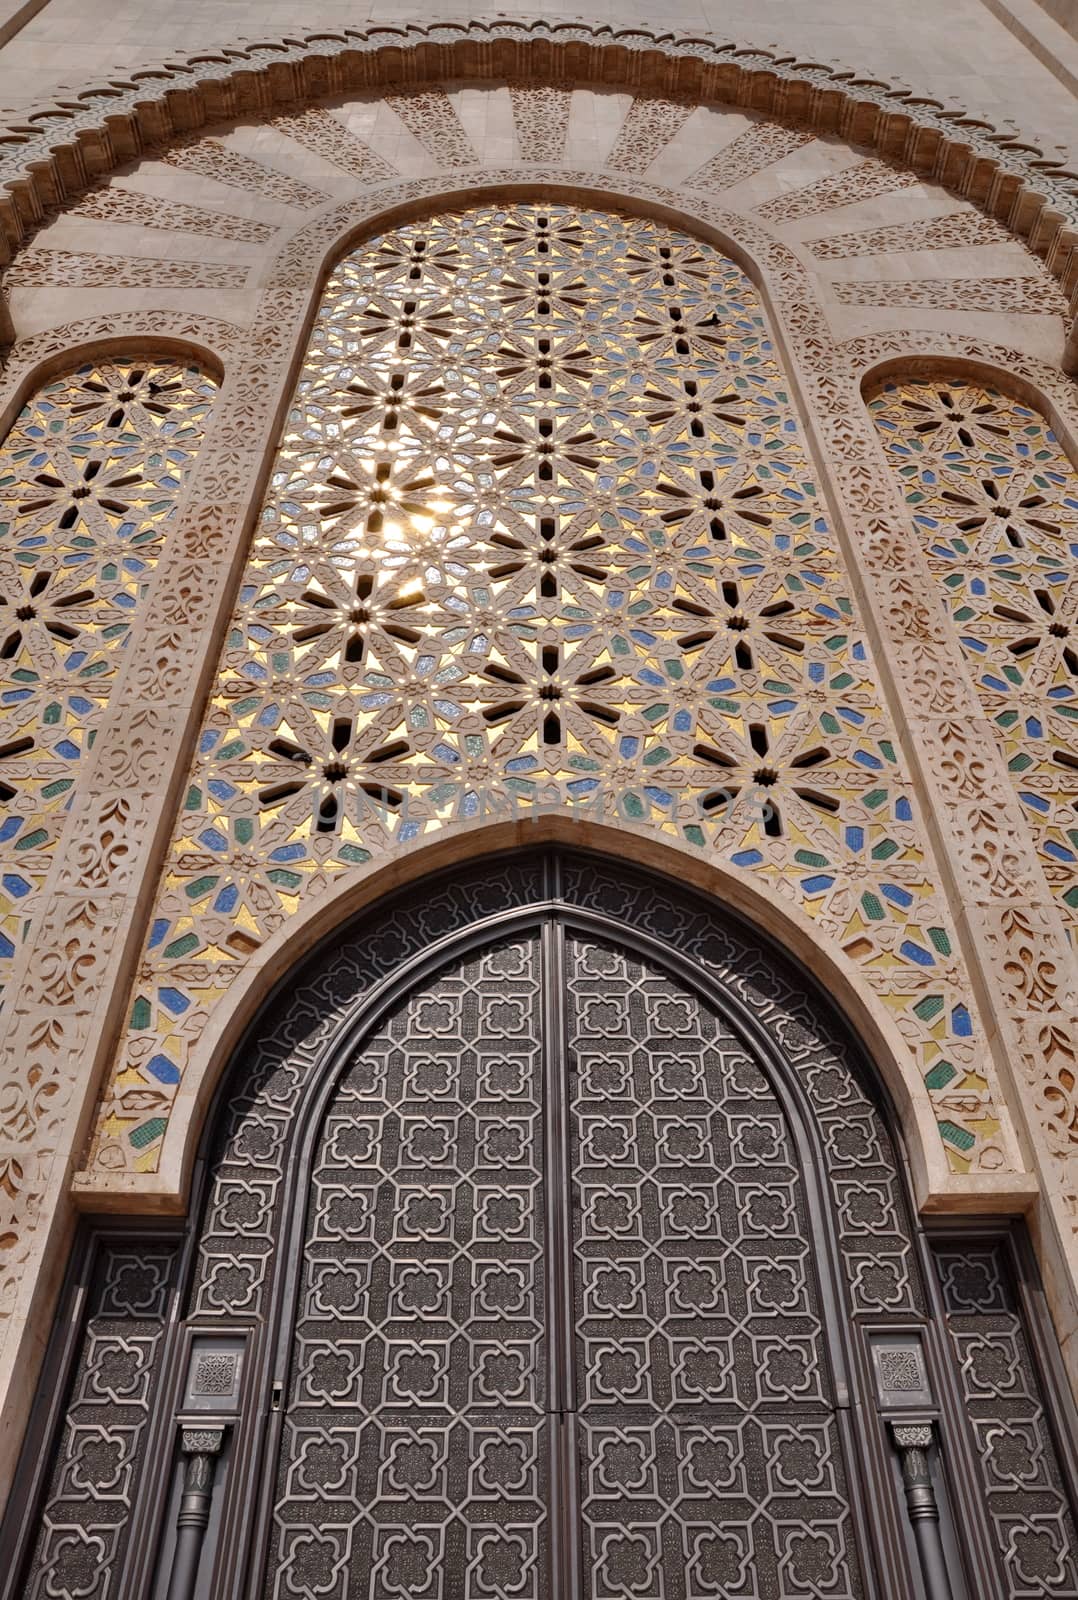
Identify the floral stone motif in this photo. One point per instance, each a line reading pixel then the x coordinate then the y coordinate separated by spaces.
pixel 91 473
pixel 542 530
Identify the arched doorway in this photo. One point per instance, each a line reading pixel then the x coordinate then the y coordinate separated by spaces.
pixel 557 1306
pixel 549 1240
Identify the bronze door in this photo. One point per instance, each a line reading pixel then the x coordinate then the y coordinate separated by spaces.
pixel 558 1328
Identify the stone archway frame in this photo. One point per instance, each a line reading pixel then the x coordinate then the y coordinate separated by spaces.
pixel 50 155
pixel 984 845
pixel 62 1021
pixel 291 298
pixel 918 354
pixel 290 301
pixel 34 361
pixel 459 844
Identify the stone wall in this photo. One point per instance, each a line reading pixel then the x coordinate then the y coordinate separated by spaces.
pixel 216 243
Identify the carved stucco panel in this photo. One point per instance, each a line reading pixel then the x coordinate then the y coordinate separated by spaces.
pixel 208 537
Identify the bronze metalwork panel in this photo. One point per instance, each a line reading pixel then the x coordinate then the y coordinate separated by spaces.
pixel 413 1455
pixel 1024 1484
pixel 569 1258
pixel 710 1461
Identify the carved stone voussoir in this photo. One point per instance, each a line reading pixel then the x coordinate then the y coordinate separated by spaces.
pixel 129 754
pixel 102 854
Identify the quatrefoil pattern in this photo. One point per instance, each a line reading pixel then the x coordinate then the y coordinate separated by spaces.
pixel 703 1393
pixel 416 1455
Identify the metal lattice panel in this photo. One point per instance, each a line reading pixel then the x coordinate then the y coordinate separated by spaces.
pixel 237 1248
pixel 710 1456
pixel 414 1451
pixel 238 1244
pixel 874 1228
pixel 99 1457
pixel 426 1374
pixel 1023 1482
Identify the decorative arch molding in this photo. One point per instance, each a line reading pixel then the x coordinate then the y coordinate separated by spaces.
pixel 230 474
pixel 54 154
pixel 728 886
pixel 285 313
pixel 922 354
pixel 34 361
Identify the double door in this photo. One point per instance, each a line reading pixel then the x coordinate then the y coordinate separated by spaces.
pixel 558 1330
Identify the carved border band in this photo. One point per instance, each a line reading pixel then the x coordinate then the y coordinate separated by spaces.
pixel 52 154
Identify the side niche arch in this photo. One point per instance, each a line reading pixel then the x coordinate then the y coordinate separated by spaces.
pixel 549 1062
pixel 991 486
pixel 92 467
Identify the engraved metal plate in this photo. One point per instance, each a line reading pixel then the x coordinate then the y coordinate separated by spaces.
pixel 898 1365
pixel 214 1371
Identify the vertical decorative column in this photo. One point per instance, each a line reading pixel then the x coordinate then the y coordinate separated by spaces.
pixel 913 1441
pixel 69 985
pixel 1021 964
pixel 210 1406
pixel 200 1448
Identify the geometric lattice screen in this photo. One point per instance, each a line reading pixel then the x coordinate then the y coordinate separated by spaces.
pixel 542 529
pixel 89 478
pixel 996 502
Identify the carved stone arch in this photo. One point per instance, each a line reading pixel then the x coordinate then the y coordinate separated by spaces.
pixel 465 845
pixel 302 263
pixel 921 355
pixel 269 1124
pixel 34 361
pixel 823 1342
pixel 1008 179
pixel 1016 886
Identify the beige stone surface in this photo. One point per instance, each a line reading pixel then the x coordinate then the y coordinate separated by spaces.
pixel 959 52
pixel 219 243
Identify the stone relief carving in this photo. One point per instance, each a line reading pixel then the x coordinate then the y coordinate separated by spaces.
pixel 758 147
pixel 865 181
pixel 62 148
pixel 115 204
pixel 1010 296
pixel 67 268
pixel 944 233
pixel 647 130
pixel 905 606
pixel 215 160
pixel 541 117
pixel 328 137
pixel 430 115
